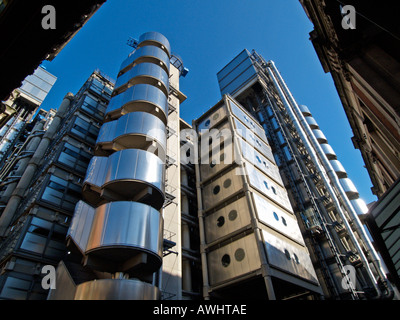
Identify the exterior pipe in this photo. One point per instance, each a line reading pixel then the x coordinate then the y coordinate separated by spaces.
pixel 332 175
pixel 23 161
pixel 323 176
pixel 30 170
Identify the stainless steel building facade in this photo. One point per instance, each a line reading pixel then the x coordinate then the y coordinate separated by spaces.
pixel 324 200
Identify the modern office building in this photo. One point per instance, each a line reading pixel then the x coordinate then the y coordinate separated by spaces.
pixel 19 109
pixel 127 239
pixel 324 200
pixel 41 186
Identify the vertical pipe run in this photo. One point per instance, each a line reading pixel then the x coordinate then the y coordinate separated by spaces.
pixel 312 145
pixel 30 170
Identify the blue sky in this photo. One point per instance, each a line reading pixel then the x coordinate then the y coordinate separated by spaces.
pixel 208 34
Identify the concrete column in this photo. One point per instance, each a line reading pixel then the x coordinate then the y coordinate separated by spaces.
pixel 22 164
pixel 30 170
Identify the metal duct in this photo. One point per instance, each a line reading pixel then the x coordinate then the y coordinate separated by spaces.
pixel 148 73
pixel 140 130
pixel 122 233
pixel 141 97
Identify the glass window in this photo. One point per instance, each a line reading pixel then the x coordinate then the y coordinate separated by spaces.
pixel 62 193
pixel 45 238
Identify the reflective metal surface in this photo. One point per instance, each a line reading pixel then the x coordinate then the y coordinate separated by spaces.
pixel 128 173
pixel 269 188
pixel 327 149
pixel 288 256
pixel 233 260
pixel 320 136
pixel 339 169
pixel 248 121
pixel 148 73
pixel 227 220
pixel 155 38
pixel 304 110
pixel 81 224
pixel 221 189
pixel 147 54
pixel 349 187
pixel 278 219
pixel 359 206
pixel 140 97
pixel 123 229
pixel 116 289
pixel 251 138
pixel 261 162
pixel 311 122
pixel 137 130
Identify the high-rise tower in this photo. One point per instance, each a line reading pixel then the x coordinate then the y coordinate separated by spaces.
pixel 324 200
pixel 131 194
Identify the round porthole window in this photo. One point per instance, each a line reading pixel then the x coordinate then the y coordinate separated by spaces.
pixel 220 221
pixel 227 183
pixel 216 116
pixel 276 216
pixel 284 221
pixel 232 215
pixel 216 189
pixel 266 184
pixel 287 254
pixel 296 258
pixel 258 159
pixel 273 190
pixel 226 260
pixel 239 254
pixel 207 123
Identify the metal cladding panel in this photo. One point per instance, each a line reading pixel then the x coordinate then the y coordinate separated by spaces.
pixel 96 172
pixel 127 225
pixel 233 260
pixel 339 169
pixel 144 70
pixel 269 188
pixel 134 130
pixel 311 122
pixel 140 97
pixel 219 160
pixel 257 159
pixel 331 155
pixel 288 256
pixel 248 120
pixel 144 53
pixel 65 286
pixel 227 220
pixel 304 110
pixel 320 136
pixel 213 119
pixel 349 187
pixel 116 289
pixel 221 188
pixel 251 138
pixel 135 164
pixel 359 206
pixel 81 223
pixel 107 132
pixel 153 37
pixel 278 219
